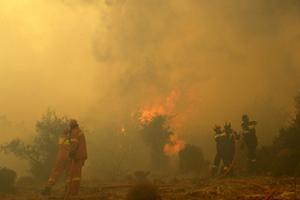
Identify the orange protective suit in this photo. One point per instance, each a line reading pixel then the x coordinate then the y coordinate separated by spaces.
pixel 62 160
pixel 78 155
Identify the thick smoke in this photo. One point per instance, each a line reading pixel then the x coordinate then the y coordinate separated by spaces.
pixel 226 58
pixel 103 61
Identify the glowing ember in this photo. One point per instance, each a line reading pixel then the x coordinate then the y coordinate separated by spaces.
pixel 174 147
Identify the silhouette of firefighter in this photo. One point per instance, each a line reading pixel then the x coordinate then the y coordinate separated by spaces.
pixel 250 140
pixel 225 145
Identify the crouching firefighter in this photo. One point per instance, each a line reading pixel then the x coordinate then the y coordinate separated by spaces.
pixel 62 162
pixel 78 156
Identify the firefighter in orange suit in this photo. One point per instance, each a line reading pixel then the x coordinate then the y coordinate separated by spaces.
pixel 78 156
pixel 62 161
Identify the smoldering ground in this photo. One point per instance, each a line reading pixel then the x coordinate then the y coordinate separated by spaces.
pixel 101 61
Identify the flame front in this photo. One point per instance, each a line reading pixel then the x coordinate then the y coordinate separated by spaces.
pixel 166 107
pixel 148 114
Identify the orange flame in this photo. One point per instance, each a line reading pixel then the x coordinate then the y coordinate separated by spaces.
pixel 175 146
pixel 165 108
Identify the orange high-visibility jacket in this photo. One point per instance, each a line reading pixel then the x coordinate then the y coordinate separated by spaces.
pixel 64 147
pixel 78 145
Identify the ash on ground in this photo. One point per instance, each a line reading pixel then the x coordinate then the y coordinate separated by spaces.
pixel 250 188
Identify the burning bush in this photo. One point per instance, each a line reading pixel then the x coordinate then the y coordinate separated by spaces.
pixel 156 134
pixel 7 180
pixel 144 191
pixel 191 159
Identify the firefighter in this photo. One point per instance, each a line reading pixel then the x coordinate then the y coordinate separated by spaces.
pixel 250 141
pixel 78 156
pixel 62 162
pixel 229 148
pixel 220 141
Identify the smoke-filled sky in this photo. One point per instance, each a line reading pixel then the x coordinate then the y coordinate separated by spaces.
pixel 100 61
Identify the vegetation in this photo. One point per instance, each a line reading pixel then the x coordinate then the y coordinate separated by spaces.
pixel 283 156
pixel 156 134
pixel 280 158
pixel 7 180
pixel 41 153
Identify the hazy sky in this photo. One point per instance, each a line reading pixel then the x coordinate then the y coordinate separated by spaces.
pixel 46 59
pixel 99 61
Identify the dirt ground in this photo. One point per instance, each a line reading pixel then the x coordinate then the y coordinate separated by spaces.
pixel 259 188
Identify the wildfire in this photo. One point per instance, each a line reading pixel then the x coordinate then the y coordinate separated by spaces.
pixel 175 145
pixel 162 108
pixel 148 115
pixel 165 107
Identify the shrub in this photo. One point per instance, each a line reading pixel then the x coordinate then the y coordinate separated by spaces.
pixel 144 191
pixel 41 153
pixel 7 180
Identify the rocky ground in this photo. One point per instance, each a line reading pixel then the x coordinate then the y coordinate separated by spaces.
pixel 260 188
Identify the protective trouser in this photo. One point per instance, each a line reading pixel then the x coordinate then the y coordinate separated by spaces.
pixel 74 177
pixel 59 167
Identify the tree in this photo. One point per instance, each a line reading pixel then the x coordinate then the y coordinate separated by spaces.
pixel 41 153
pixel 284 153
pixel 156 134
pixel 286 145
